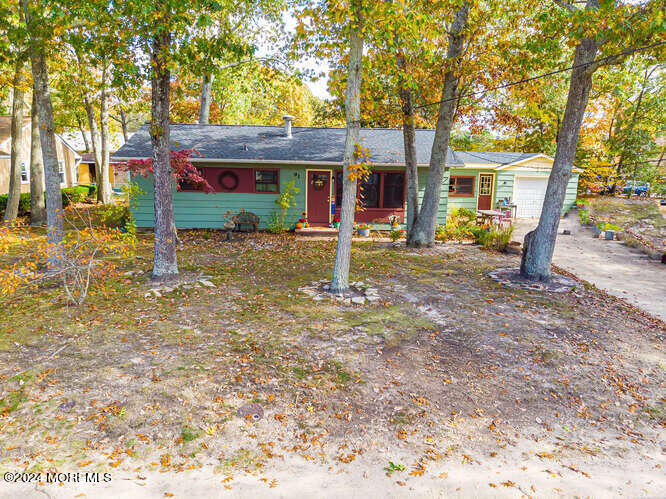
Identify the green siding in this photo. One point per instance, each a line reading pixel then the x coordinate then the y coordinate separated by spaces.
pixel 194 210
pixel 466 202
pixel 198 210
pixel 504 185
pixel 572 192
pixel 444 193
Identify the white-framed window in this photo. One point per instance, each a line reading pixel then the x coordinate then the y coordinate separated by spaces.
pixel 61 171
pixel 25 173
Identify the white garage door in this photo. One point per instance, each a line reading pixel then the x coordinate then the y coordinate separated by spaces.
pixel 530 193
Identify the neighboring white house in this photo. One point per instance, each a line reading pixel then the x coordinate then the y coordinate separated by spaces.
pixel 68 158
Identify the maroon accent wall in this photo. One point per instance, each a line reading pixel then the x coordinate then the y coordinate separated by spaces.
pixel 376 215
pixel 245 178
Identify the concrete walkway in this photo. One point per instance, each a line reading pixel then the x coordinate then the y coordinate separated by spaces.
pixel 610 265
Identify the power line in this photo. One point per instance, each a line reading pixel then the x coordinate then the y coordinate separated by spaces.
pixel 544 75
pixel 525 80
pixel 636 163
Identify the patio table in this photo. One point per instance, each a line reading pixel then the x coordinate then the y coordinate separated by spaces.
pixel 490 216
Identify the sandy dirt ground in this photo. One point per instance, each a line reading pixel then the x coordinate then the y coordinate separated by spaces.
pixel 618 269
pixel 469 388
pixel 511 476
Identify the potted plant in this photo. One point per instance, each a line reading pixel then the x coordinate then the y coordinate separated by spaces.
pixel 336 222
pixel 394 220
pixel 302 222
pixel 363 229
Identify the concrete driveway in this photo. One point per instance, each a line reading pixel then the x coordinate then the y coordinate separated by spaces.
pixel 610 265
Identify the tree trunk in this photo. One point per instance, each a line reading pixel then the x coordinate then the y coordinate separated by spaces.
pixel 632 124
pixel 103 182
pixel 540 243
pixel 165 266
pixel 54 213
pixel 423 233
pixel 16 161
pixel 94 138
pixel 37 205
pixel 409 141
pixel 123 122
pixel 206 88
pixel 340 278
pixel 82 129
pixel 661 157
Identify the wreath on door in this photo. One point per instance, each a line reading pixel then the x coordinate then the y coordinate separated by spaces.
pixel 228 180
pixel 319 182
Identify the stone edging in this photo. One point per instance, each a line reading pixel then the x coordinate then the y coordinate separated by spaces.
pixel 511 278
pixel 359 293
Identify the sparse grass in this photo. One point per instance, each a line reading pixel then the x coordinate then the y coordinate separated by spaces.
pixel 403 319
pixel 189 434
pixel 161 373
pixel 640 216
pixel 658 412
pixel 625 212
pixel 393 467
pixel 12 401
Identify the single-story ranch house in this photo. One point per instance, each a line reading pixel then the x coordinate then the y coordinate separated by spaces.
pixel 248 166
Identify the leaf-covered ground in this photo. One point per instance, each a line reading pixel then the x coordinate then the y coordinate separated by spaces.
pixel 462 384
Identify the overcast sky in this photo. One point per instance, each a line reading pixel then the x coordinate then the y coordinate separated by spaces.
pixel 320 87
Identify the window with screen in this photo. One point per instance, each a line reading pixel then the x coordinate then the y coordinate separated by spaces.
pixel 61 171
pixel 24 173
pixel 462 186
pixel 266 181
pixel 381 190
pixel 394 190
pixel 370 191
pixel 186 185
pixel 485 185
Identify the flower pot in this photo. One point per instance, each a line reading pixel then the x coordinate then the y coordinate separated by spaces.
pixel 299 225
pixel 596 231
pixel 610 235
pixel 336 225
pixel 364 232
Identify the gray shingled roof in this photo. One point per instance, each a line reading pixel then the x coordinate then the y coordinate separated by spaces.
pixel 252 142
pixel 309 144
pixel 502 158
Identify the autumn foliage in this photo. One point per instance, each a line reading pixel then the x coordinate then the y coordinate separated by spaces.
pixel 182 170
pixel 86 254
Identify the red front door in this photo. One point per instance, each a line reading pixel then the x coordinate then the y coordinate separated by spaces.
pixel 319 197
pixel 485 191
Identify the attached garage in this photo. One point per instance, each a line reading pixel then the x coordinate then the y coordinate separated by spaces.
pixel 529 193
